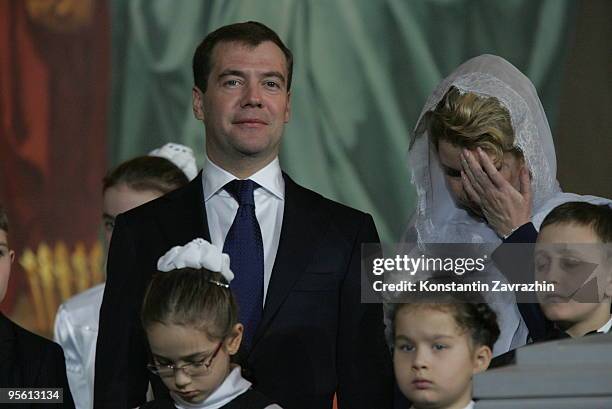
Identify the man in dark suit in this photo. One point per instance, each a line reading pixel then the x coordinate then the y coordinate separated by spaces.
pixel 297 254
pixel 26 359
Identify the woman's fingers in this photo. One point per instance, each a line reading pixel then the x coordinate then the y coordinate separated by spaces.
pixel 491 171
pixel 469 174
pixel 526 184
pixel 480 180
pixel 469 189
pixel 504 206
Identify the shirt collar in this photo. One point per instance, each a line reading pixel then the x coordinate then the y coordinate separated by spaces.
pixel 469 406
pixel 606 327
pixel 269 177
pixel 231 387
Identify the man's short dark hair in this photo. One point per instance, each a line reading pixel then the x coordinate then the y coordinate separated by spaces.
pixel 250 33
pixel 598 217
pixel 4 225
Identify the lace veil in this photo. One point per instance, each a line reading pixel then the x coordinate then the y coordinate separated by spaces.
pixel 437 218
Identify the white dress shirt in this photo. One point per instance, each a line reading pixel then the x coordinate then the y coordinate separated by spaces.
pixel 221 207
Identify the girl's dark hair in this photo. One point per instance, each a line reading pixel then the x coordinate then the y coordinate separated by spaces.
pixel 190 297
pixel 475 317
pixel 146 173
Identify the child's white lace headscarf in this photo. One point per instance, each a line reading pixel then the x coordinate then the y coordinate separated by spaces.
pixel 437 218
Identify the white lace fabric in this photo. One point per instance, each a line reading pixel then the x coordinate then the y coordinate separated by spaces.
pixel 437 218
pixel 486 75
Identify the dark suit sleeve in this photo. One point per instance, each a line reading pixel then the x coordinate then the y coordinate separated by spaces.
pixel 365 377
pixel 506 260
pixel 53 375
pixel 524 234
pixel 120 375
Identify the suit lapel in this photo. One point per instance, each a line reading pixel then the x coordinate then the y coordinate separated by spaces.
pixel 184 215
pixel 299 232
pixel 185 219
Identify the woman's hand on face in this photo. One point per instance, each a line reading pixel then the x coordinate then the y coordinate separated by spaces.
pixel 504 207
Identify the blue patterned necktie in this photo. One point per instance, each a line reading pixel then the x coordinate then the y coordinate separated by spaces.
pixel 245 248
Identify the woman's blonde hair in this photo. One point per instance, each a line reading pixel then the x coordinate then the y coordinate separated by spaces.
pixel 471 121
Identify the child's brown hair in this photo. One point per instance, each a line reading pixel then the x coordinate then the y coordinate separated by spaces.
pixel 470 312
pixel 192 297
pixel 598 217
pixel 146 173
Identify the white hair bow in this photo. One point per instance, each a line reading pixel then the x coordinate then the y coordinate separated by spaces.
pixel 197 254
pixel 181 155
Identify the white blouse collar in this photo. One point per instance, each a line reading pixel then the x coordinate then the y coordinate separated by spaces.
pixel 233 385
pixel 469 406
pixel 606 327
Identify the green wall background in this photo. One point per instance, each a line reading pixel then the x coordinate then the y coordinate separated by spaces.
pixel 363 70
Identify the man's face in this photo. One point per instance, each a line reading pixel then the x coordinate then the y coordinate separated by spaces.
pixel 572 257
pixel 450 159
pixel 6 259
pixel 246 103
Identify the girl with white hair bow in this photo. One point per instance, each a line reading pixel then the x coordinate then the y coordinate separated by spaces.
pixel 190 317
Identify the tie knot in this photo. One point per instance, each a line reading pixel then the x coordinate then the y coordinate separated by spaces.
pixel 242 191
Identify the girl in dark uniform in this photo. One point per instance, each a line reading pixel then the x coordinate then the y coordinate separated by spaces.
pixel 190 318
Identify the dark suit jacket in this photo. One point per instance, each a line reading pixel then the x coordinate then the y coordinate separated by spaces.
pixel 509 358
pixel 250 399
pixel 30 361
pixel 315 337
pixel 537 323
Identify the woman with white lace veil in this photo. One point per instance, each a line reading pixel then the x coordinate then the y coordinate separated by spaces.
pixel 480 189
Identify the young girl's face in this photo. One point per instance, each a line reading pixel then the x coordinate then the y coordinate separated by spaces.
pixel 434 359
pixel 119 199
pixel 181 345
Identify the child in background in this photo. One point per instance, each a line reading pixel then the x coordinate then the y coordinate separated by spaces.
pixel 26 360
pixel 440 342
pixel 190 318
pixel 573 253
pixel 130 184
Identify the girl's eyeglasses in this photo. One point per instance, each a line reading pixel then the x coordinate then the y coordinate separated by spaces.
pixel 197 368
